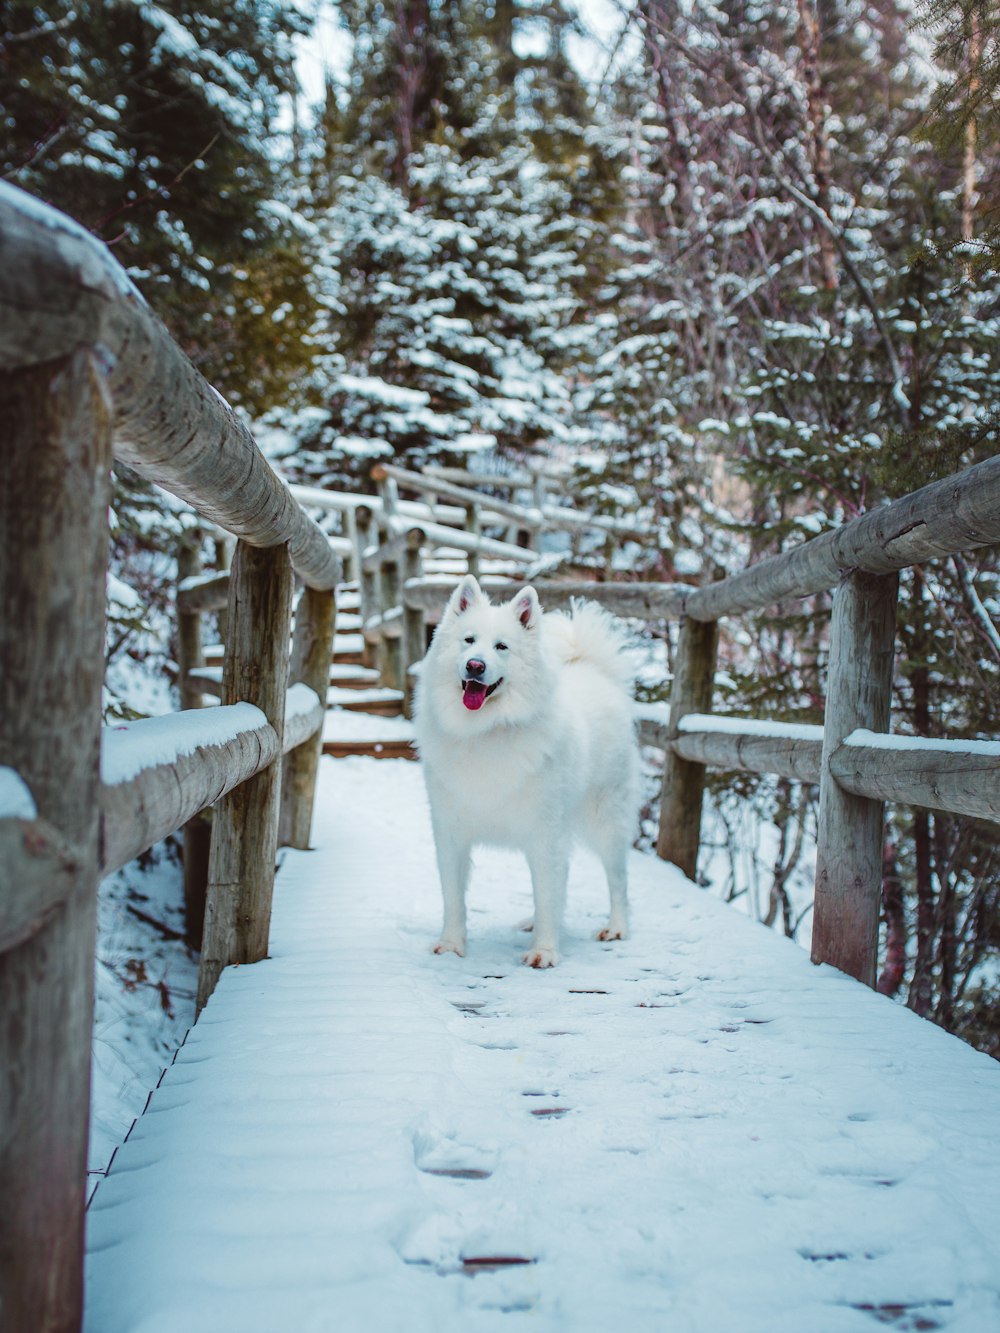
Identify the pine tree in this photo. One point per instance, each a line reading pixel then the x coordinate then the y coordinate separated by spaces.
pixel 452 266
pixel 152 124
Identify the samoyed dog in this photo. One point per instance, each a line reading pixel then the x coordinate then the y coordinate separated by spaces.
pixel 524 723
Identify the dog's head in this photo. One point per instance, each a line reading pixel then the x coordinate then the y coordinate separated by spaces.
pixel 489 659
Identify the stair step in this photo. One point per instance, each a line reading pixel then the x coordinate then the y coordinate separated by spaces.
pixel 371 749
pixel 376 707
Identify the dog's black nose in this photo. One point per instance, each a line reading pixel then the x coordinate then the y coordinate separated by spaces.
pixel 474 667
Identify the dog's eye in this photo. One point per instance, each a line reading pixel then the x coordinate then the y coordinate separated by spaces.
pixel 500 647
pixel 470 638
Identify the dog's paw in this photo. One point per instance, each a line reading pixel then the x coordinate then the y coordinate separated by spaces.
pixel 450 946
pixel 540 958
pixel 612 932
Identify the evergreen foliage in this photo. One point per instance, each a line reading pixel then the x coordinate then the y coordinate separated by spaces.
pixel 152 124
pixel 452 257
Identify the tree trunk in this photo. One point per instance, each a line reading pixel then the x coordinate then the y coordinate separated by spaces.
pixel 818 140
pixel 921 987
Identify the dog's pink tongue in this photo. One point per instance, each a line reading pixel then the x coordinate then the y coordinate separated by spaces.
pixel 473 693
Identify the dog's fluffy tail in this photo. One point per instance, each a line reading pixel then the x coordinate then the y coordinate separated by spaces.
pixel 589 634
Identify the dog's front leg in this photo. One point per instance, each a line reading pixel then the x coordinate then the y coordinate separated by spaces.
pixel 549 865
pixel 454 860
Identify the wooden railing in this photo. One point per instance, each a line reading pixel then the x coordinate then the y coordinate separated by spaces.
pixel 87 371
pixel 851 756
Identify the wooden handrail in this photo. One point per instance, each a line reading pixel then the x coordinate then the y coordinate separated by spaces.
pixel 60 289
pixel 545 516
pixel 639 601
pixel 160 797
pixel 960 513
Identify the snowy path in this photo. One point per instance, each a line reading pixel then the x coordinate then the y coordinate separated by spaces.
pixel 694 1131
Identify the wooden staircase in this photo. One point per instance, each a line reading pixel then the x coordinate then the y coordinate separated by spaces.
pixel 355 692
pixel 355 689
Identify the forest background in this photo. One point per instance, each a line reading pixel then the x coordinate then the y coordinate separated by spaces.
pixel 738 266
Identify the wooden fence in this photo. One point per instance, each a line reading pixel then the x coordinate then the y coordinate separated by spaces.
pixel 87 372
pixel 860 561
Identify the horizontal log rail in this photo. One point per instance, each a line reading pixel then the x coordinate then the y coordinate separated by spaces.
pixel 141 810
pixel 960 513
pixel 351 502
pixel 386 625
pixel 960 777
pixel 547 470
pixel 208 592
pixel 60 290
pixel 637 601
pixel 437 534
pixel 392 549
pixel 541 516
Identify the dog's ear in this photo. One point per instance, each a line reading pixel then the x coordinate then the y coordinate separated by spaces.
pixel 527 608
pixel 465 595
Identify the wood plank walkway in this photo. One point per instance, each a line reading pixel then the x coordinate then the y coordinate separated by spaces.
pixel 691 1131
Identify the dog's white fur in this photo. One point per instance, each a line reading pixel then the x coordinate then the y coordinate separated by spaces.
pixel 550 756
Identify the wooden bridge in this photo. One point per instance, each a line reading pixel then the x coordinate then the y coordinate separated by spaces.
pixel 312 1157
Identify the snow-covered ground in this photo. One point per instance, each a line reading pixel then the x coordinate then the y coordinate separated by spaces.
pixel 694 1130
pixel 145 993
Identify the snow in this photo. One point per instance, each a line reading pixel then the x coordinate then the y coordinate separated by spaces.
pixel 145 992
pixel 342 725
pixel 695 1129
pixel 740 726
pixel 16 800
pixel 98 268
pixel 881 740
pixel 300 700
pixel 390 395
pixel 128 748
pixel 121 595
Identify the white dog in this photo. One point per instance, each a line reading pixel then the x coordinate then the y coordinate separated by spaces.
pixel 524 723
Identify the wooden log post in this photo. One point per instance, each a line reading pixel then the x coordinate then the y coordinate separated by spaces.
pixel 414 622
pixel 679 833
pixel 190 656
pixel 245 824
pixel 367 582
pixel 56 431
pixel 223 563
pixel 849 844
pixel 471 525
pixel 190 653
pixel 352 565
pixel 389 650
pixel 312 649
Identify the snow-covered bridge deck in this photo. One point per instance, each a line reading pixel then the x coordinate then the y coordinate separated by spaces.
pixel 695 1130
